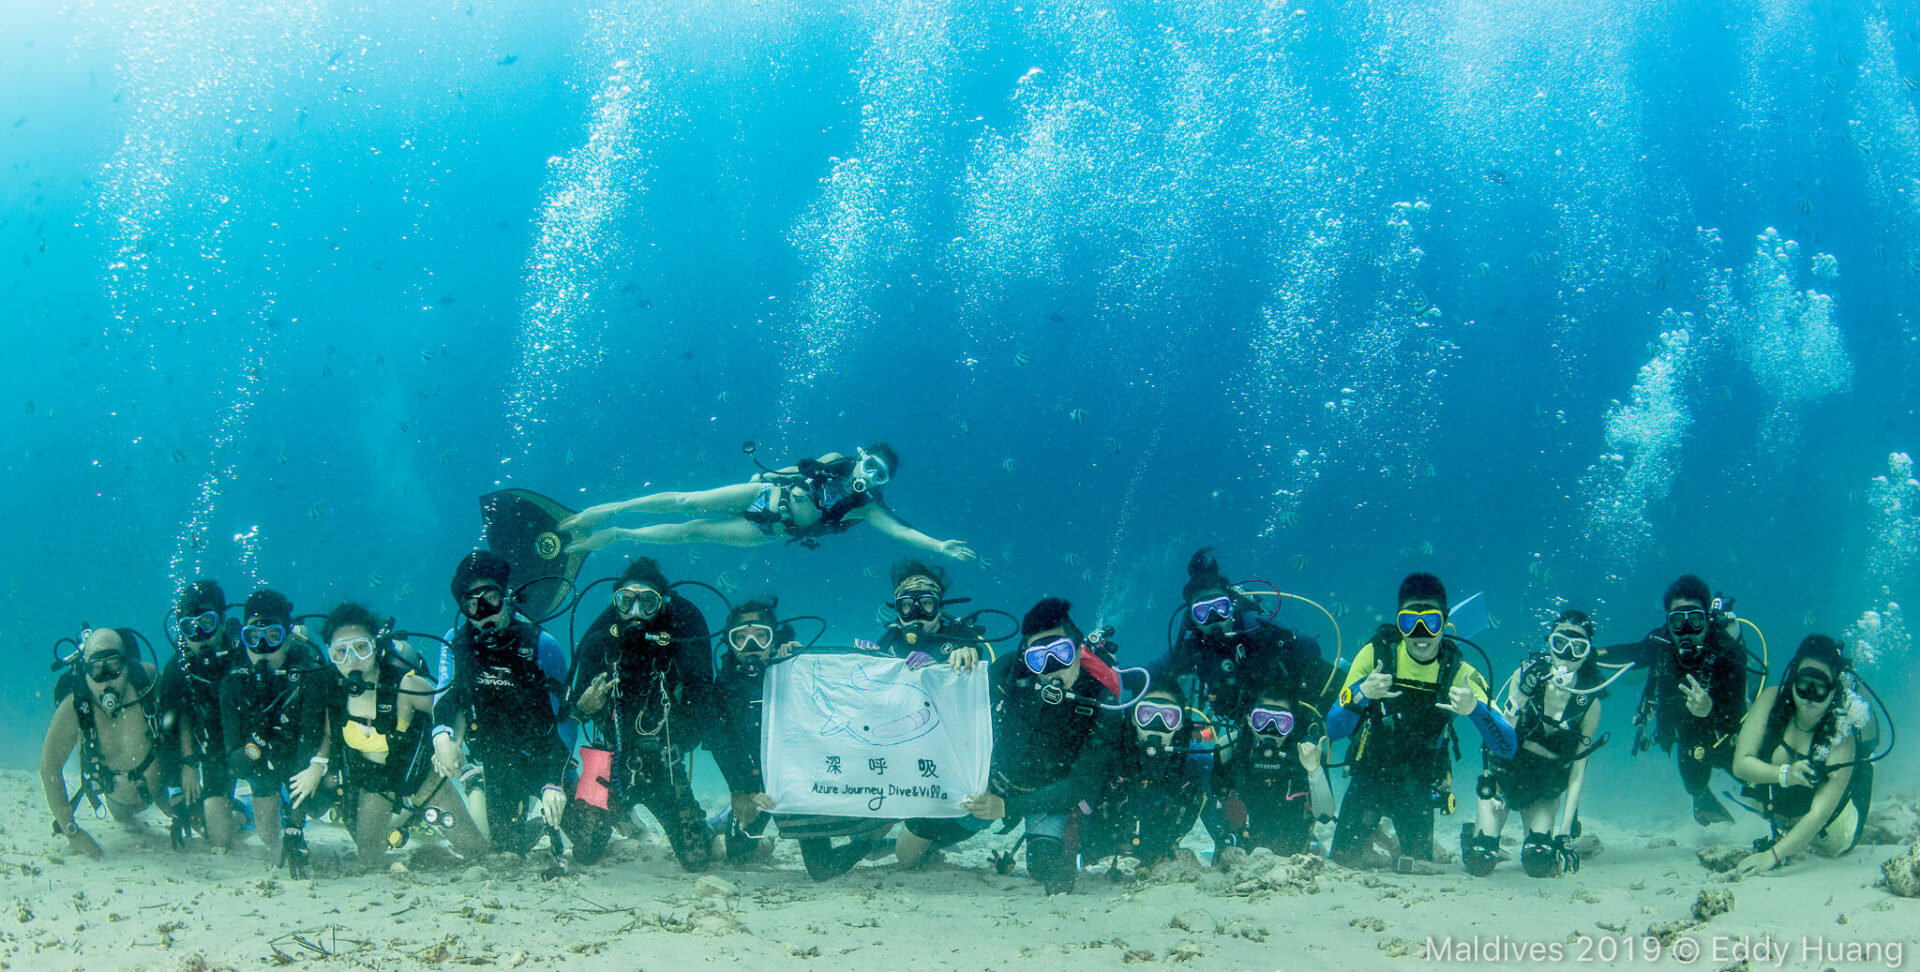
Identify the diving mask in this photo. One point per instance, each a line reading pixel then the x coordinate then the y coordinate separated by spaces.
pixel 201 626
pixel 1270 722
pixel 869 473
pixel 637 602
pixel 1212 609
pixel 1427 623
pixel 1166 716
pixel 1051 656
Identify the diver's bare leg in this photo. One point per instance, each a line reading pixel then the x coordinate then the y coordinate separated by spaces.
pixel 732 532
pixel 218 814
pixel 725 499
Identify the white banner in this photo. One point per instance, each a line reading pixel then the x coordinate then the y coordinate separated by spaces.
pixel 859 735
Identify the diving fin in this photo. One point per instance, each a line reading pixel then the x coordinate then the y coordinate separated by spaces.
pixel 1469 617
pixel 520 527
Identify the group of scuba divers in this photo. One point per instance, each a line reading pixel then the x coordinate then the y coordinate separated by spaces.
pixel 504 738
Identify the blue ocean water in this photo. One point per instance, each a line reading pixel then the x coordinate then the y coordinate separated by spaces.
pixel 1558 301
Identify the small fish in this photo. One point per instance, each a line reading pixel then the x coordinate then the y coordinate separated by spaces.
pixel 377 579
pixel 1290 519
pixel 1535 258
pixel 1809 619
pixel 22 120
pixel 1086 576
pixel 29 406
pixel 962 425
pixel 1078 415
pixel 317 510
pixel 326 371
pixel 695 553
pixel 446 458
pixel 1113 446
pixel 1073 560
pixel 1426 547
pixel 569 457
pixel 1546 577
pixel 283 455
pixel 1007 465
pixel 1429 471
pixel 1662 254
pixel 379 359
pixel 1340 609
pixel 1493 620
pixel 426 354
pixel 1386 471
pixel 1912 83
pixel 869 572
pixel 1482 268
pixel 1845 61
pixel 405 425
pixel 1299 561
pixel 1496 176
pixel 1726 393
pixel 1804 204
pixel 179 455
pixel 1733 557
pixel 406 590
pixel 700 456
pixel 726 583
pixel 509 59
pixel 1404 552
pixel 1022 358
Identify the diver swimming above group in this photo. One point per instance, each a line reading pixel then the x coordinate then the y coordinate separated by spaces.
pixel 502 738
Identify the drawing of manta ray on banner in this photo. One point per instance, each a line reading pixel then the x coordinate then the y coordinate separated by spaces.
pixel 863 736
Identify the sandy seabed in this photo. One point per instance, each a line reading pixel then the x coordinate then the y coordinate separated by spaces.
pixel 148 907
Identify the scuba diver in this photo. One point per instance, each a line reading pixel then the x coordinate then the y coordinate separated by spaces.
pixel 108 708
pixel 642 685
pixel 1398 704
pixel 799 504
pixel 1227 649
pixel 501 702
pixel 379 712
pixel 1158 786
pixel 754 639
pixel 1801 755
pixel 1696 688
pixel 273 722
pixel 1054 741
pixel 1553 701
pixel 1274 784
pixel 190 710
pixel 923 627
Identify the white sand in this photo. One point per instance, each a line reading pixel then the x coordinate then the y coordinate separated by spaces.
pixel 148 907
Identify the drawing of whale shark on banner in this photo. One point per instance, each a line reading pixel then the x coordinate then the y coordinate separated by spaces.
pixel 861 735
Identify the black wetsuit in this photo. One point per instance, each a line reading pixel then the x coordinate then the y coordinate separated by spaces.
pixel 281 714
pixel 1267 802
pixel 1705 744
pixel 1049 759
pixel 501 693
pixel 657 716
pixel 190 703
pixel 1148 805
